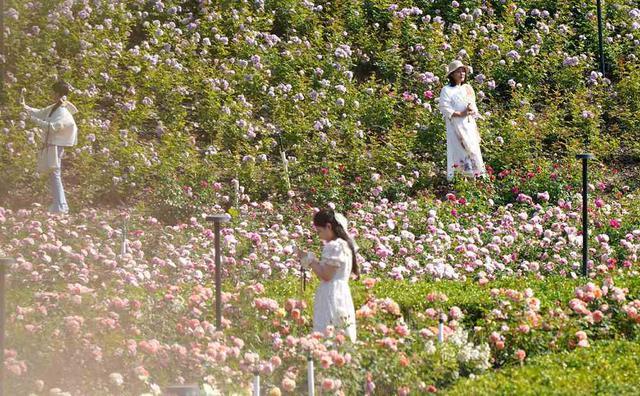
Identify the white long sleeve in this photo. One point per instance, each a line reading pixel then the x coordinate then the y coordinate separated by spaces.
pixel 445 106
pixel 60 124
pixel 38 113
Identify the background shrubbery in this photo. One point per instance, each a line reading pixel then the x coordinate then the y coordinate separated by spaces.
pixel 177 96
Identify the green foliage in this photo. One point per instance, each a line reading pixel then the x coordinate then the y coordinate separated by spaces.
pixel 607 368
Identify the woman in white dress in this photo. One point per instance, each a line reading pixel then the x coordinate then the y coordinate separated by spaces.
pixel 458 106
pixel 333 305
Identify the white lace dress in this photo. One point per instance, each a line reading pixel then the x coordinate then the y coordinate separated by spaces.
pixel 470 162
pixel 333 304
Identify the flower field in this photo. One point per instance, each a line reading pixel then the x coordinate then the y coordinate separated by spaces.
pixel 506 280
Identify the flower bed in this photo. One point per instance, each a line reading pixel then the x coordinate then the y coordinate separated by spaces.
pixel 505 279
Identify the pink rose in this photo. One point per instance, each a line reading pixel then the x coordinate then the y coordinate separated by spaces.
pixel 597 316
pixel 288 384
pixel 402 330
pixel 328 384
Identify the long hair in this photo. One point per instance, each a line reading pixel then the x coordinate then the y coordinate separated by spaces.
pixel 61 88
pixel 328 216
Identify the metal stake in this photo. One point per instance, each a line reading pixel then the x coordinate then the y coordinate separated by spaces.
pixel 585 214
pixel 310 376
pixel 217 219
pixel 256 383
pixel 600 47
pixel 3 52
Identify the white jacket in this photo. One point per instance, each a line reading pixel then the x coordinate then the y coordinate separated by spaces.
pixel 61 125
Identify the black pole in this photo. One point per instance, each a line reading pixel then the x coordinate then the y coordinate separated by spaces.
pixel 600 44
pixel 4 262
pixel 218 278
pixel 585 210
pixel 2 313
pixel 217 219
pixel 585 157
pixel 304 279
pixel 3 53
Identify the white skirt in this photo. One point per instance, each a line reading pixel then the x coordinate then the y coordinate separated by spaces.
pixel 333 306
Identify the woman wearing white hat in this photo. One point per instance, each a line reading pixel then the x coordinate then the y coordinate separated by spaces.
pixel 458 106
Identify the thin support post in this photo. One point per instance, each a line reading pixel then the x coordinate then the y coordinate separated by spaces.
pixel 310 376
pixel 600 34
pixel 585 212
pixel 218 277
pixel 3 53
pixel 217 219
pixel 256 383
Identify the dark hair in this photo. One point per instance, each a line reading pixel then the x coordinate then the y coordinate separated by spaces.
pixel 61 88
pixel 328 216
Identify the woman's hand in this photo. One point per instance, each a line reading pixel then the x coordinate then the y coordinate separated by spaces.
pixel 469 110
pixel 466 112
pixel 308 259
pixel 302 258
